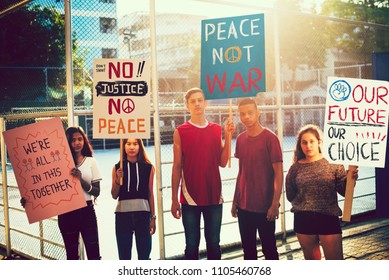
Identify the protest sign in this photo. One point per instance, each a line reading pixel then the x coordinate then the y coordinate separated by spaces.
pixel 121 99
pixel 355 129
pixel 233 57
pixel 41 160
pixel 356 121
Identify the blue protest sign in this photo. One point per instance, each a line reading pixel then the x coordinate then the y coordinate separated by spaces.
pixel 233 57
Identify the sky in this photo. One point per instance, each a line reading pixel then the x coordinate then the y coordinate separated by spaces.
pixel 200 7
pixel 197 7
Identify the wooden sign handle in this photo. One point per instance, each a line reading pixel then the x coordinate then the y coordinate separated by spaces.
pixel 348 198
pixel 121 160
pixel 230 138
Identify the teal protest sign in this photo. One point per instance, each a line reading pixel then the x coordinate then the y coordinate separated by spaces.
pixel 233 57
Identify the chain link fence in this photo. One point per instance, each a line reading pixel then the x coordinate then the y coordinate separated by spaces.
pixel 312 48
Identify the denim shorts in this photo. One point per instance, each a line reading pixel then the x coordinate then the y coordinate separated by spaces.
pixel 316 223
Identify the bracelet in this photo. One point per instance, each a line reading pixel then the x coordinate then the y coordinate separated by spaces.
pixel 89 189
pixel 154 217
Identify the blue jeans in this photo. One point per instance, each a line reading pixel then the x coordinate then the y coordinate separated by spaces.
pixel 212 215
pixel 249 224
pixel 128 223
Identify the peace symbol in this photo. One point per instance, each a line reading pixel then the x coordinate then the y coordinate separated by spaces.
pixel 233 54
pixel 128 105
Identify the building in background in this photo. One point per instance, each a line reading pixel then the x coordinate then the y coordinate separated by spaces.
pixel 178 46
pixel 94 26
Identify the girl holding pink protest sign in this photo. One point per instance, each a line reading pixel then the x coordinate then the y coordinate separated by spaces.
pixel 82 221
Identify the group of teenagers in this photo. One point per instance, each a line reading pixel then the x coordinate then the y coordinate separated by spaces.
pixel 311 185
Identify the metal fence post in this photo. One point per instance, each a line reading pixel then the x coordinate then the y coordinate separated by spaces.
pixel 278 87
pixel 157 138
pixel 69 62
pixel 5 189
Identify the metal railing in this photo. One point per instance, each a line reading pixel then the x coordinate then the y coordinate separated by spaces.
pixel 52 247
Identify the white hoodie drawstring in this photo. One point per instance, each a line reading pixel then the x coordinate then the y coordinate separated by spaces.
pixel 137 176
pixel 129 177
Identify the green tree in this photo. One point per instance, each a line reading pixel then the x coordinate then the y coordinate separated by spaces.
pixel 32 39
pixel 32 36
pixel 302 40
pixel 365 32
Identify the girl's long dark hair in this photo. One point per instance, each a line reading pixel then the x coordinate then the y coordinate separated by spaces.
pixel 142 155
pixel 315 130
pixel 87 150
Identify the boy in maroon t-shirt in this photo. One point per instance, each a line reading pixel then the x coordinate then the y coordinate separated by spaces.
pixel 259 183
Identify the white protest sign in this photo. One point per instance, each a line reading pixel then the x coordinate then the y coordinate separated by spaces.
pixel 356 121
pixel 121 99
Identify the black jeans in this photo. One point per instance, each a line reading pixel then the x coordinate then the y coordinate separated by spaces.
pixel 128 223
pixel 249 224
pixel 81 221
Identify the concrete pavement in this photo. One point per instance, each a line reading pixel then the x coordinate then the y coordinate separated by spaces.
pixel 364 238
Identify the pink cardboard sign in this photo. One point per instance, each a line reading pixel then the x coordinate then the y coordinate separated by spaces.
pixel 41 160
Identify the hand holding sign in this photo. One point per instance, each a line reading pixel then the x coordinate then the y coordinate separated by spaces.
pixel 229 129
